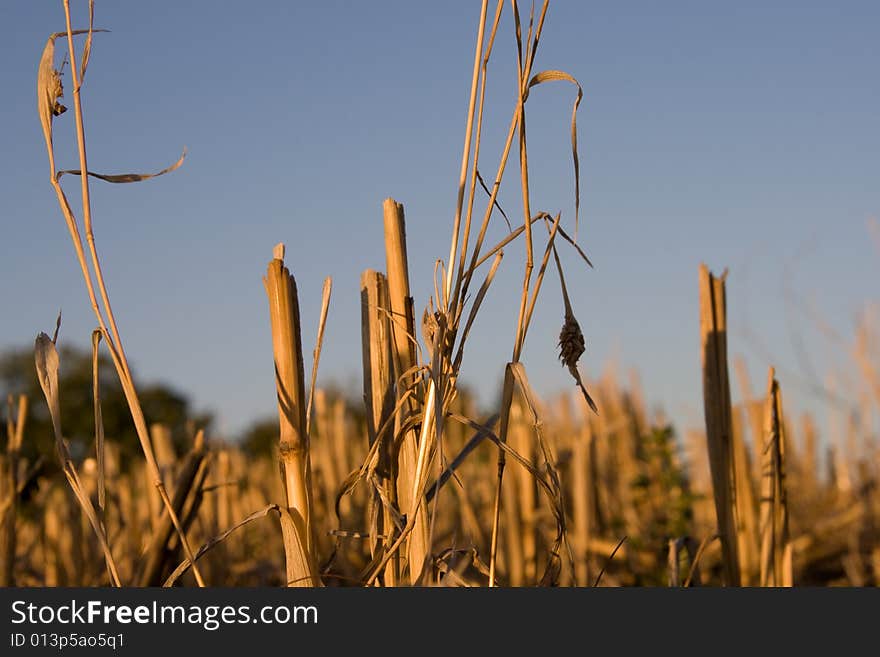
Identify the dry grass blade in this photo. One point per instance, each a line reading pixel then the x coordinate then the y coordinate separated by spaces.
pixel 608 561
pixel 517 121
pixel 87 47
pixel 482 433
pixel 316 353
pixel 494 201
pixel 475 254
pixel 519 230
pixel 128 177
pixel 531 30
pixel 457 295
pixel 694 571
pixel 216 540
pixel 57 328
pixel 521 322
pixel 99 420
pixel 524 69
pixel 465 156
pixel 533 47
pixel 538 282
pixel 580 251
pixel 486 433
pixel 47 364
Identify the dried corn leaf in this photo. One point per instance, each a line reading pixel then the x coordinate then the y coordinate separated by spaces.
pixel 47 364
pixel 316 353
pixel 519 230
pixel 568 239
pixel 49 87
pixel 549 76
pixel 87 48
pixel 127 177
pixel 539 281
pixel 494 201
pixel 216 540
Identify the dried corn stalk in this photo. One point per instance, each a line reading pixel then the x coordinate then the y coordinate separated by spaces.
pixel 776 548
pixel 719 427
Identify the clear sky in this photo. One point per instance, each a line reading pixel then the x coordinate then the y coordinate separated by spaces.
pixel 742 134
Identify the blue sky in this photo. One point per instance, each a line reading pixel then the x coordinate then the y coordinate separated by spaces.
pixel 744 135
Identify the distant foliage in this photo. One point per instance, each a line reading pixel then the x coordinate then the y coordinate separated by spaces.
pixel 161 404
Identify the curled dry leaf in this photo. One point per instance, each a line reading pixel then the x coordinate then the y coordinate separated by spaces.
pixel 49 87
pixel 549 76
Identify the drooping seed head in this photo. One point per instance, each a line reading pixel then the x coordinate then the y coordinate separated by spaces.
pixel 571 342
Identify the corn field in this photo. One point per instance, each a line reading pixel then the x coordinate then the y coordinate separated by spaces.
pixel 412 484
